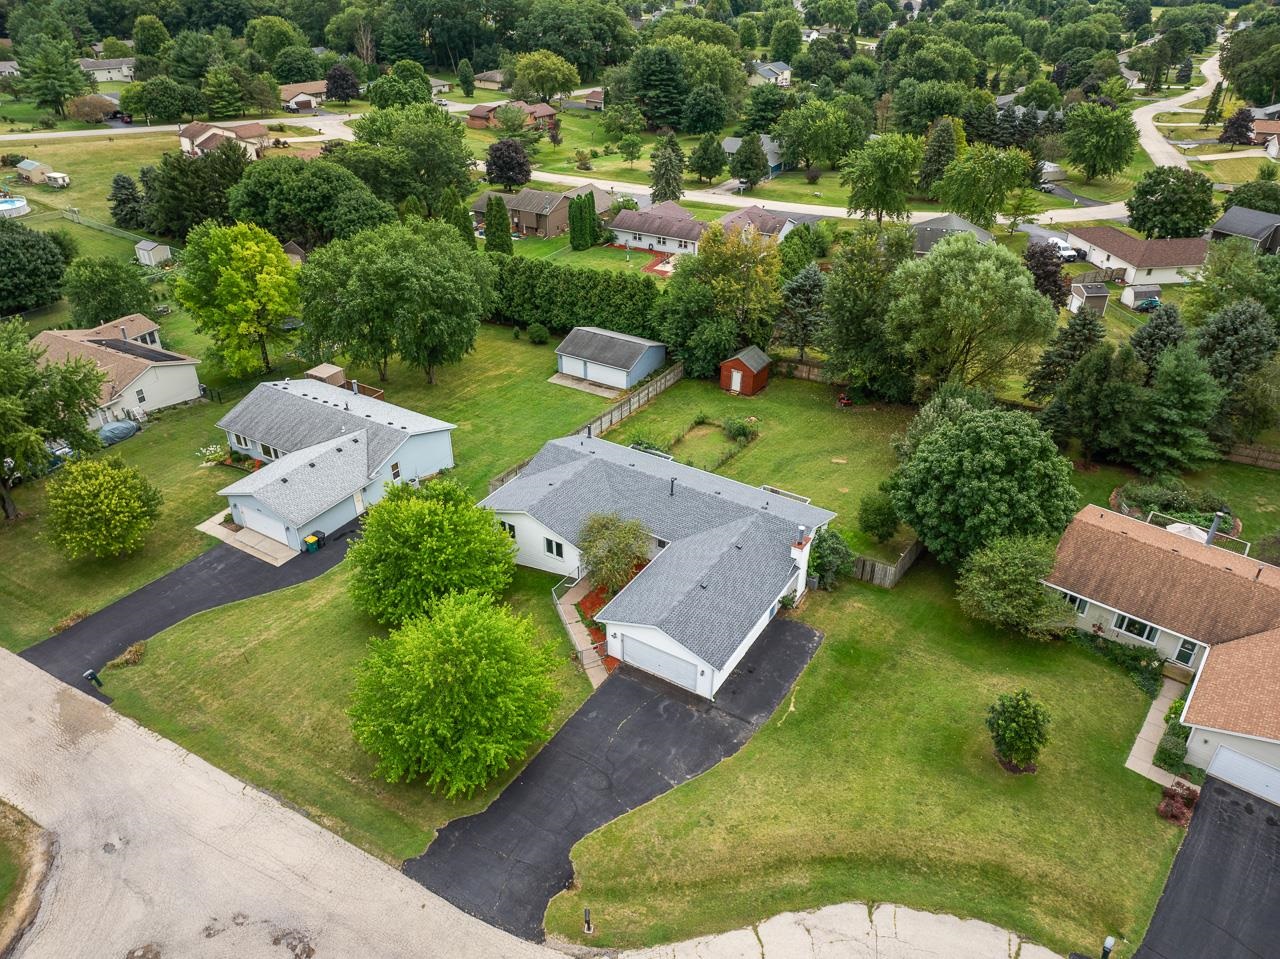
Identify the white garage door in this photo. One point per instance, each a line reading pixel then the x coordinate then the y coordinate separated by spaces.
pixel 659 662
pixel 266 525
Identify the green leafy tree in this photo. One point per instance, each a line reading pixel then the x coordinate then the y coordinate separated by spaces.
pixel 1172 434
pixel 497 226
pixel 40 401
pixel 51 73
pixel 619 119
pixel 222 94
pixel 631 146
pixel 507 164
pixel 1084 331
pixel 1261 195
pixel 949 403
pixel 988 474
pixel 705 111
pixel 36 265
pixel 1099 403
pixel 1019 728
pixel 612 548
pixel 1213 109
pixel 340 84
pixel 184 190
pixel 1021 207
pixel 803 298
pixel 267 36
pixel 940 150
pixel 748 33
pixel 101 508
pixel 784 42
pixel 149 35
pixel 1099 140
pixel 1172 202
pixel 419 544
pixel 967 312
pixel 749 164
pixel 1233 270
pixel 240 287
pixel 544 75
pixel 432 143
pixel 976 184
pixel 125 202
pixel 881 175
pixel 765 104
pixel 406 83
pixel 456 698
pixel 830 558
pixel 466 77
pixel 296 64
pixel 666 170
pixel 877 517
pixel 103 288
pixel 1003 583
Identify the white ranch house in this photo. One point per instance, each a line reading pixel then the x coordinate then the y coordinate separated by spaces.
pixel 1143 261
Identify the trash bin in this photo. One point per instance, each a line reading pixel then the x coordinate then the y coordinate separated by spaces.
pixel 311 544
pixel 320 536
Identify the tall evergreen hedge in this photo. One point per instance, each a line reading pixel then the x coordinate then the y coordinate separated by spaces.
pixel 562 297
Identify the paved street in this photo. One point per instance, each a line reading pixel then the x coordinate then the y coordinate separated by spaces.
pixel 1164 153
pixel 162 856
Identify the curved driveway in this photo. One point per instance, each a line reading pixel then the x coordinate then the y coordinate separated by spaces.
pixel 1162 152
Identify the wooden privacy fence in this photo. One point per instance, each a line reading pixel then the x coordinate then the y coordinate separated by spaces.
pixel 801 371
pixel 1252 455
pixel 609 418
pixel 887 574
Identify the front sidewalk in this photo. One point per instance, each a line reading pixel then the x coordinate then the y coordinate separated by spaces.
pixel 1144 747
pixel 583 645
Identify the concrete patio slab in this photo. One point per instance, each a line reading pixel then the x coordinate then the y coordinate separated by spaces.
pixel 586 386
pixel 248 541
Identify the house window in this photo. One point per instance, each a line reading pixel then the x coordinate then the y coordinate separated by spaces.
pixel 270 452
pixel 1186 653
pixel 1135 628
pixel 553 547
pixel 508 528
pixel 1079 603
pixel 636 237
pixel 1148 272
pixel 395 472
pixel 239 440
pixel 142 397
pixel 662 543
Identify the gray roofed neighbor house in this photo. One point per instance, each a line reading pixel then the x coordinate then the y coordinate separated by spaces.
pixel 766 223
pixel 729 552
pixel 770 71
pixel 755 358
pixel 534 201
pixel 616 350
pixel 301 486
pixel 928 232
pixel 654 224
pixel 1241 221
pixel 772 149
pixel 293 415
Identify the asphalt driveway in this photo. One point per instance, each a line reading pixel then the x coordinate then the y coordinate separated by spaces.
pixel 222 575
pixel 635 738
pixel 1222 899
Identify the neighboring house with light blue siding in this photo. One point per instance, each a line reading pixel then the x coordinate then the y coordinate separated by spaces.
pixel 328 454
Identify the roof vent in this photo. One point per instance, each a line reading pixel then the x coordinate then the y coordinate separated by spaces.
pixel 312 465
pixel 284 479
pixel 355 440
pixel 338 449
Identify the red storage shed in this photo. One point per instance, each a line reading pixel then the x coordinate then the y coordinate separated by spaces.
pixel 746 372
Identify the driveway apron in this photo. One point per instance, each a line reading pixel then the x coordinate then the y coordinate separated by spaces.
pixel 634 739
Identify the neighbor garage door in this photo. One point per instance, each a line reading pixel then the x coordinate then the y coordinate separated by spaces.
pixel 266 525
pixel 659 662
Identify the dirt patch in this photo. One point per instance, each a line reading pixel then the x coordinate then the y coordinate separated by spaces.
pixel 36 849
pixel 701 430
pixel 80 716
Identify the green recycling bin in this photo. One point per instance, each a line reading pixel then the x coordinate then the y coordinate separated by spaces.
pixel 311 544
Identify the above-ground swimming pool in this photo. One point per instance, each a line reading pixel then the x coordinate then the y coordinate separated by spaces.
pixel 13 206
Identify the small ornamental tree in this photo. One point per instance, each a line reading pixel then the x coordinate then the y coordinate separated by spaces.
pixel 340 84
pixel 611 548
pixel 877 517
pixel 830 558
pixel 103 288
pixel 507 164
pixel 100 508
pixel 1019 730
pixel 630 147
pixel 1002 584
pixel 418 545
pixel 1045 264
pixel 749 164
pixel 466 77
pixel 454 698
pixel 1238 130
pixel 497 226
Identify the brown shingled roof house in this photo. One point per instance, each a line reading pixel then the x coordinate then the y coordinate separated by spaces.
pixel 1210 612
pixel 485 115
pixel 1143 261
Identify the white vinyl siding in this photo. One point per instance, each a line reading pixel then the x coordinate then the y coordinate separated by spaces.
pixel 553 547
pixel 1132 626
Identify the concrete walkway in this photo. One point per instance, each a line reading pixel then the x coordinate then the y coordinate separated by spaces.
pixel 1144 747
pixel 248 541
pixel 851 930
pixel 583 644
pixel 159 855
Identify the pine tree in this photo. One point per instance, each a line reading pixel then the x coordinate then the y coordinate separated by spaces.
pixel 1184 71
pixel 1099 403
pixel 1213 109
pixel 1084 331
pixel 455 214
pixel 51 73
pixel 708 159
pixel 749 164
pixel 222 95
pixel 1172 433
pixel 497 226
pixel 802 308
pixel 584 225
pixel 667 170
pixel 125 200
pixel 410 206
pixel 1236 342
pixel 939 150
pixel 1163 331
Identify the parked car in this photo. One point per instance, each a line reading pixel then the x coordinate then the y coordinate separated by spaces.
pixel 290 108
pixel 164 309
pixel 441 102
pixel 1062 247
pixel 117 432
pixel 1081 255
pixel 1147 305
pixel 1045 187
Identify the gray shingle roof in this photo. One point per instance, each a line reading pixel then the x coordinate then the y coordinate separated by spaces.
pixel 301 486
pixel 928 232
pixel 616 350
pixel 704 517
pixel 772 149
pixel 755 358
pixel 1090 289
pixel 655 224
pixel 1241 221
pixel 292 415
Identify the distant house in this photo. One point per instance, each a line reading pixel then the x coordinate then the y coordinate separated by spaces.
pixel 491 80
pixel 533 212
pixel 33 171
pixel 1260 229
pixel 296 254
pixel 746 372
pixel 608 358
pixel 725 556
pixel 772 152
pixel 594 99
pixel 758 218
pixel 1264 130
pixel 1270 112
pixel 484 116
pixel 329 454
pixel 151 253
pixel 197 139
pixel 140 376
pixel 1093 296
pixel 1143 261
pixel 1131 296
pixel 9 68
pixel 303 96
pixel 658 232
pixel 1052 172
pixel 928 232
pixel 109 71
pixel 760 73
pixel 439 86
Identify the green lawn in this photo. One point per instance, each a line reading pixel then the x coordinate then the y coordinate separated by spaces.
pixel 1235 172
pixel 876 783
pixel 260 689
pixel 91 162
pixel 595 258
pixel 791 187
pixel 91 242
pixel 1115 188
pixel 807 445
pixel 14 830
pixel 19 116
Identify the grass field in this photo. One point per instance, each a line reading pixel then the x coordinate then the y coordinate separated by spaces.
pixel 14 831
pixel 806 444
pixel 791 187
pixel 260 689
pixel 19 116
pixel 595 258
pixel 1235 172
pixel 1118 187
pixel 91 162
pixel 91 242
pixel 876 783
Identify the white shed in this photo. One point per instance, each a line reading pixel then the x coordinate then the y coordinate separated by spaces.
pixel 1131 296
pixel 151 253
pixel 608 358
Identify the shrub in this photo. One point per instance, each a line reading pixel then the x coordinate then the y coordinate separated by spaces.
pixel 739 430
pixel 100 508
pixel 611 548
pixel 582 159
pixel 830 558
pixel 595 154
pixel 877 517
pixel 1171 751
pixel 812 174
pixel 1002 584
pixel 610 149
pixel 1019 729
pixel 538 333
pixel 1174 712
pixel 1144 668
pixel 130 657
pixel 647 439
pixel 1172 497
pixel 454 698
pixel 1177 804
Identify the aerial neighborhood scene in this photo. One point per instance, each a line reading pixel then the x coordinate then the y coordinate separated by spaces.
pixel 794 479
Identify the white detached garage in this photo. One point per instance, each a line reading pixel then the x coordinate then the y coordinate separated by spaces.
pixel 608 358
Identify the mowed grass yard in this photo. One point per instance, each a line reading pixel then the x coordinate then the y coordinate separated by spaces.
pixel 14 832
pixel 91 162
pixel 261 688
pixel 876 783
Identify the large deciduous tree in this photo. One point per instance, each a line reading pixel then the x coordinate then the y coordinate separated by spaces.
pixel 418 545
pixel 101 508
pixel 1099 140
pixel 241 288
pixel 881 174
pixel 1260 195
pixel 340 84
pixel 507 164
pixel 543 75
pixel 34 268
pixel 432 142
pixel 976 183
pixel 1172 202
pixel 103 288
pixel 1238 130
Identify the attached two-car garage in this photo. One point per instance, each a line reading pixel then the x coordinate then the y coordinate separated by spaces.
pixel 651 659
